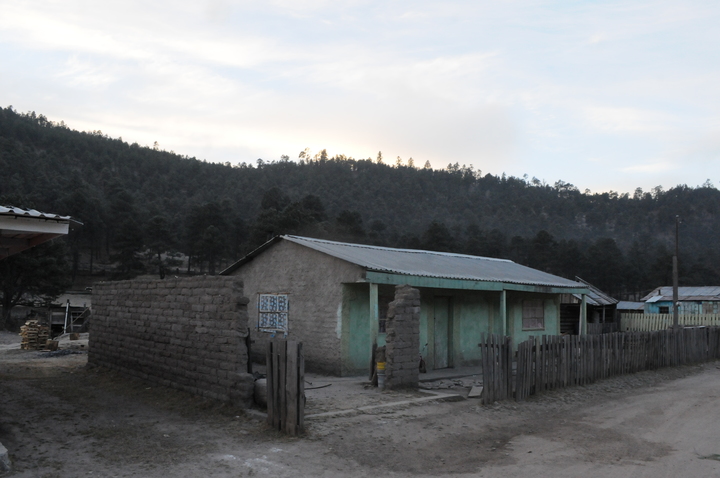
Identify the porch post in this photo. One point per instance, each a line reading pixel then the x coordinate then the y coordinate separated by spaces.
pixel 503 311
pixel 582 328
pixel 374 313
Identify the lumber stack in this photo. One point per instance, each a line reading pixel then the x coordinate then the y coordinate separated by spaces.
pixel 34 335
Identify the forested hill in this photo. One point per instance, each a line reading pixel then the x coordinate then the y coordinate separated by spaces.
pixel 139 204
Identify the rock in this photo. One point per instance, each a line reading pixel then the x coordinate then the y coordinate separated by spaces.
pixel 260 392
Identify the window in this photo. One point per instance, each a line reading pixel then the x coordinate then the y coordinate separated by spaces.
pixel 664 309
pixel 273 312
pixel 383 305
pixel 533 317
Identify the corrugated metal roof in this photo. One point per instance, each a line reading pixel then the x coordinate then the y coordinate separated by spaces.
pixel 630 305
pixel 684 293
pixel 434 264
pixel 595 296
pixel 22 229
pixel 16 211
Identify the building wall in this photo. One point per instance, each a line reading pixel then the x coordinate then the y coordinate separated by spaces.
pixel 472 313
pixel 356 345
pixel 685 307
pixel 515 310
pixel 314 283
pixel 182 333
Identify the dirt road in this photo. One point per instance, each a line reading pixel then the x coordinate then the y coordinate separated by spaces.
pixel 60 418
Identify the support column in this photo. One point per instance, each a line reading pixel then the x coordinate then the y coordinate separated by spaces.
pixel 374 313
pixel 503 311
pixel 582 329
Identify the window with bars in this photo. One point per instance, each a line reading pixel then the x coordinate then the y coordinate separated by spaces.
pixel 273 311
pixel 533 317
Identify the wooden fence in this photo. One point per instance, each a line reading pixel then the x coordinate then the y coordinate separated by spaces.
pixel 286 386
pixel 552 362
pixel 599 328
pixel 650 322
pixel 497 358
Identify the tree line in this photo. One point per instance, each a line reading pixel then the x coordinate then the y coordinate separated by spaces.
pixel 145 210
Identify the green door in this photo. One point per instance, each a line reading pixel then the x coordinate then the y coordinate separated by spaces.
pixel 442 333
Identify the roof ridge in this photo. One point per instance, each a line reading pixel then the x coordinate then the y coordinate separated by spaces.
pixel 411 251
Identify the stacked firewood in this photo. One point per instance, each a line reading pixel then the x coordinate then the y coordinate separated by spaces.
pixel 34 335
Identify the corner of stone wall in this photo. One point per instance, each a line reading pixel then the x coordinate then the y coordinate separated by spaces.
pixel 402 348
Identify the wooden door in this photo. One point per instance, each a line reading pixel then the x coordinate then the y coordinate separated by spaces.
pixel 443 335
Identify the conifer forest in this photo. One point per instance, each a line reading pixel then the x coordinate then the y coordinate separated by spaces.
pixel 149 211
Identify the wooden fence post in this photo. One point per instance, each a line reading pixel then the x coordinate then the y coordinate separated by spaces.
pixel 285 386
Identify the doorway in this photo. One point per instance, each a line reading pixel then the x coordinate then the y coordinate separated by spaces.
pixel 442 333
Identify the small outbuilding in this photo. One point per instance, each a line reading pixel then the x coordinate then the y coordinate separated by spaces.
pixel 601 311
pixel 333 297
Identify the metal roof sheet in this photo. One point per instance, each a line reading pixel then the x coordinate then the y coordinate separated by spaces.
pixel 630 305
pixel 434 264
pixel 16 211
pixel 22 229
pixel 595 296
pixel 665 293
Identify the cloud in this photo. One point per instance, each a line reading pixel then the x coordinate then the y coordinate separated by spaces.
pixel 625 119
pixel 520 87
pixel 658 167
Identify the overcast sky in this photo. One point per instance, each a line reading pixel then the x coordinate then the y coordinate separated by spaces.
pixel 604 95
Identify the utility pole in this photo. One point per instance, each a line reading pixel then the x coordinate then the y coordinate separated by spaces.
pixel 676 324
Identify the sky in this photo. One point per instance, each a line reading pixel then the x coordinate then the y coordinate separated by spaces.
pixel 603 95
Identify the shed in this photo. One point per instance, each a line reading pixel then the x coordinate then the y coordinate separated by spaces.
pixel 630 307
pixel 333 297
pixel 601 311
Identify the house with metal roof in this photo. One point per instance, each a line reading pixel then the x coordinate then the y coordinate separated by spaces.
pixel 691 300
pixel 333 297
pixel 22 229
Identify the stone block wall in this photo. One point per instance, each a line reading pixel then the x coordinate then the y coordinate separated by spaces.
pixel 402 341
pixel 185 333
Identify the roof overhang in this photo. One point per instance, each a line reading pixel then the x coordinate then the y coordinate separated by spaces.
pixel 21 230
pixel 462 284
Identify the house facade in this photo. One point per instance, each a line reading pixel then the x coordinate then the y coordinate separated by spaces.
pixel 333 297
pixel 691 300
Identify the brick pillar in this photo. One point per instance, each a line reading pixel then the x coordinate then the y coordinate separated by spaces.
pixel 403 339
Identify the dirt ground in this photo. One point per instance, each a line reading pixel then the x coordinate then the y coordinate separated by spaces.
pixel 60 418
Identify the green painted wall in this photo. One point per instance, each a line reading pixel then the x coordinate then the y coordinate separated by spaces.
pixel 356 331
pixel 552 315
pixel 472 313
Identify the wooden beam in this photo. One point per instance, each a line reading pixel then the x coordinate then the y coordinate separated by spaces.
pixel 503 311
pixel 464 284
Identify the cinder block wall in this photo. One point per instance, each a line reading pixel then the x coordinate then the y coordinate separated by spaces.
pixel 186 333
pixel 402 347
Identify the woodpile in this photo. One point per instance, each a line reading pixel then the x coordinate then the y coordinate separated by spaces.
pixel 34 335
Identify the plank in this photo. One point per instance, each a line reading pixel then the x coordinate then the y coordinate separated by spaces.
pixel 271 383
pixel 301 388
pixel 291 388
pixel 281 370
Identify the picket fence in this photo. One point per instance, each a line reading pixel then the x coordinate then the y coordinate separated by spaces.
pixel 553 362
pixel 650 322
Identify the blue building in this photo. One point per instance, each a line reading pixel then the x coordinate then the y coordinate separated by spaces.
pixel 691 300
